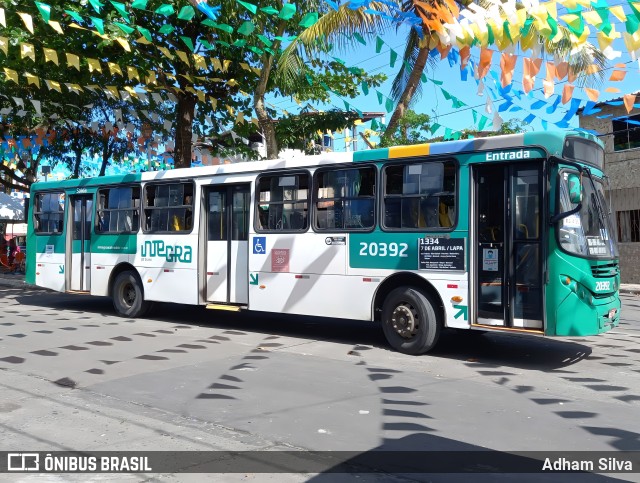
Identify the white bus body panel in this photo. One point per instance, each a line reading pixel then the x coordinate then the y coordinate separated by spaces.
pixel 50 268
pixel 239 279
pixel 217 271
pixel 165 277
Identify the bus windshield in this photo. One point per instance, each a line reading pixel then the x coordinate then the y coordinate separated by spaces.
pixel 588 232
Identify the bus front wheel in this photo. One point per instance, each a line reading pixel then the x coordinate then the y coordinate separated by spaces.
pixel 409 321
pixel 128 298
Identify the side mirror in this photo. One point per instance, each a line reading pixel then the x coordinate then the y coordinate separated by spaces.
pixel 575 188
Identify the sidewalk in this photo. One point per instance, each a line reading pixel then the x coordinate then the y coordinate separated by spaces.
pixel 13 280
pixel 17 281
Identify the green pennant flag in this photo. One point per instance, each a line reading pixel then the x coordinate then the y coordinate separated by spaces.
pixel 265 40
pixel 374 125
pixel 423 78
pixel 526 27
pixel 269 10
pixel 483 123
pixel 125 28
pixel 389 105
pixel 490 37
pixel 553 24
pixel 225 28
pixel 188 42
pixel 309 20
pixel 457 103
pixel 339 60
pixel 249 6
pixel 379 44
pixel 437 82
pixel 96 5
pixel 206 44
pixel 166 29
pixel 434 127
pixel 246 28
pixel 456 135
pixel 98 23
pixel 240 43
pixel 475 116
pixel 209 23
pixel 45 11
pixel 309 79
pixel 145 33
pixel 631 25
pixel 365 88
pixel 74 15
pixel 288 11
pixel 446 95
pixel 380 97
pixel 186 13
pixel 267 49
pixel 122 10
pixel 255 50
pixel 358 112
pixel 407 66
pixel 636 12
pixel 359 38
pixel 447 133
pixel 346 105
pixel 165 10
pixel 225 44
pixel 393 56
pixel 139 4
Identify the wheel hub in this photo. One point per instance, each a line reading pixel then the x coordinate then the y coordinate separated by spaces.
pixel 129 294
pixel 405 321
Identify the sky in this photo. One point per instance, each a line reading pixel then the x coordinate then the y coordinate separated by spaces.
pixel 540 113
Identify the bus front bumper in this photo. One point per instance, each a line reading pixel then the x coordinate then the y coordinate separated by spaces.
pixel 577 317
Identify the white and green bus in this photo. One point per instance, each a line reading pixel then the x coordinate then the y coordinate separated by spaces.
pixel 507 233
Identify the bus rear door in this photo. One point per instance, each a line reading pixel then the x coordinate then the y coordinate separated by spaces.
pixel 79 243
pixel 227 252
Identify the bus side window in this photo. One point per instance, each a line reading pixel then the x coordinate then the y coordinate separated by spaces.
pixel 283 202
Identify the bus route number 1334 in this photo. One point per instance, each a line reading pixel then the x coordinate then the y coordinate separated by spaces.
pixel 381 249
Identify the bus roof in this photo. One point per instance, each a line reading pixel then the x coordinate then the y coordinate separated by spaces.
pixel 552 141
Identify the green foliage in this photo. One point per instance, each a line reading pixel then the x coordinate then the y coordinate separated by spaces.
pixel 305 131
pixel 413 128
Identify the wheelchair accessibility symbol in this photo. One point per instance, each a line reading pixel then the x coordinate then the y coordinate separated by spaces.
pixel 259 245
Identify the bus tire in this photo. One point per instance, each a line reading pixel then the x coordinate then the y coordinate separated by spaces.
pixel 128 297
pixel 409 321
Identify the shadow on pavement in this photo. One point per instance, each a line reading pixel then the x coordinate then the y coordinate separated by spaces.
pixel 490 351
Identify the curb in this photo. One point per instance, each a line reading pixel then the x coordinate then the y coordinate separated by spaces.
pixel 628 291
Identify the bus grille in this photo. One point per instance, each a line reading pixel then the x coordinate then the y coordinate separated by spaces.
pixel 607 270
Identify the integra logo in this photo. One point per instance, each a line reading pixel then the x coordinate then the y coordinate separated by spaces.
pixel 508 155
pixel 172 253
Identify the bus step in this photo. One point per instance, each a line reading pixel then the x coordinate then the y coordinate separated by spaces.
pixel 78 292
pixel 230 308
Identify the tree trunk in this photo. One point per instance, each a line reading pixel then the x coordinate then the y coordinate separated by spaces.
pixel 409 91
pixel 266 123
pixel 184 130
pixel 77 162
pixel 106 153
pixel 267 127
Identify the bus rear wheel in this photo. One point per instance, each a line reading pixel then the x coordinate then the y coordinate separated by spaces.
pixel 409 321
pixel 128 297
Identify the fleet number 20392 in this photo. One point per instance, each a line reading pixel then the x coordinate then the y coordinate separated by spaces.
pixel 381 249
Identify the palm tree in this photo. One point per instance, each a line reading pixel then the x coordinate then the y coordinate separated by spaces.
pixel 432 13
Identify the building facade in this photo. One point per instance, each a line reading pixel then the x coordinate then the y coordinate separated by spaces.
pixel 620 132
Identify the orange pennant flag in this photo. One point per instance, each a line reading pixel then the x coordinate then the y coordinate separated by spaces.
pixel 530 70
pixel 465 54
pixel 617 75
pixel 592 94
pixel 485 62
pixel 561 70
pixel 629 101
pixel 572 75
pixel 507 64
pixel 613 90
pixel 551 72
pixel 567 93
pixel 444 51
pixel 548 88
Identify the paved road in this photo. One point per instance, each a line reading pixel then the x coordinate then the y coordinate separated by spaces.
pixel 75 376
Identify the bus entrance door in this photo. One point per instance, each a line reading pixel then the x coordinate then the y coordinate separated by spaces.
pixel 227 253
pixel 79 254
pixel 508 267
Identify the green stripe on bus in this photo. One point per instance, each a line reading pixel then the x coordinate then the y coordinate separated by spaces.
pixel 371 155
